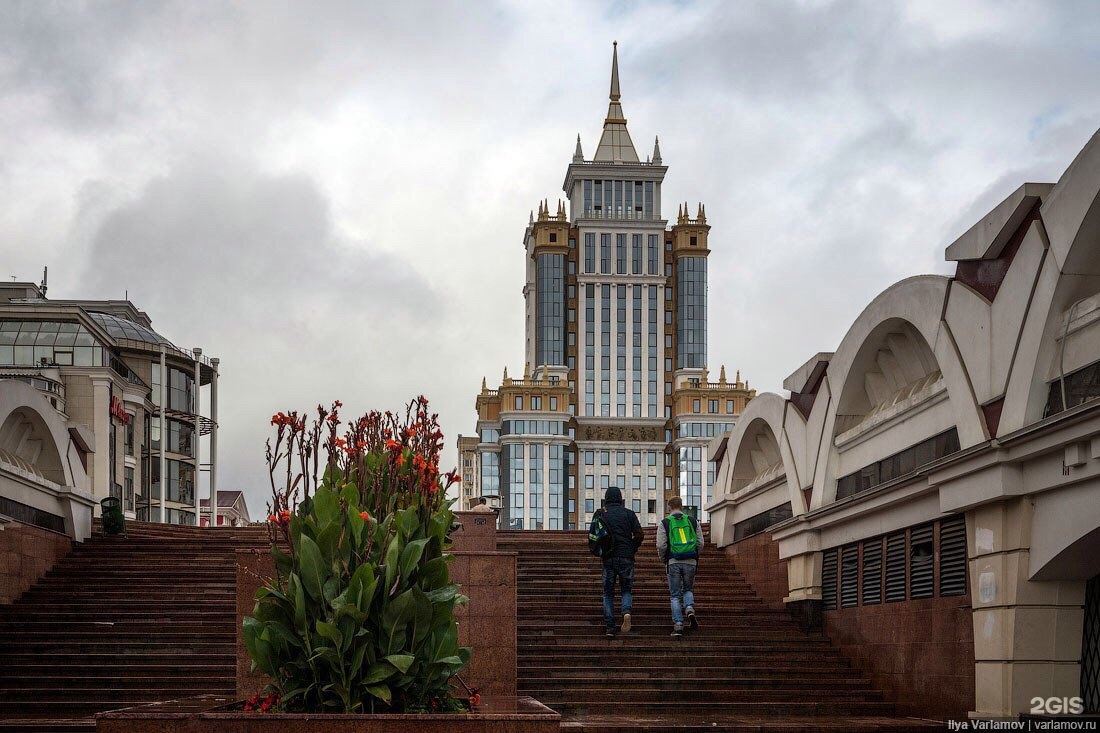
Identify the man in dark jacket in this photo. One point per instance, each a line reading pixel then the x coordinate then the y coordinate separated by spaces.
pixel 626 533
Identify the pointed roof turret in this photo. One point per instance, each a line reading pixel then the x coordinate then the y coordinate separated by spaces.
pixel 615 143
pixel 656 157
pixel 578 154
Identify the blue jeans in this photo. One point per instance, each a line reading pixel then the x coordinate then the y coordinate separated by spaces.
pixel 623 569
pixel 681 579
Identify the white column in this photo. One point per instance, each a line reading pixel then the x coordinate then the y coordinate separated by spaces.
pixel 214 443
pixel 101 425
pixel 197 442
pixel 163 431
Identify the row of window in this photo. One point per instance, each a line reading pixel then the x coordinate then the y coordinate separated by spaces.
pixel 620 457
pixel 534 427
pixel 899 464
pixel 536 402
pixel 618 199
pixel 703 429
pixel 926 561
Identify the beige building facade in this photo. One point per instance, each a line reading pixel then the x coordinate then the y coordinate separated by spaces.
pixel 129 398
pixel 945 459
pixel 615 388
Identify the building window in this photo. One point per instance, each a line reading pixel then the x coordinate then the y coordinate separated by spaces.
pixel 899 464
pixel 553 236
pixel 519 402
pixel 128 489
pixel 712 407
pixel 553 403
pixel 130 437
pixel 729 407
pixel 695 406
pixel 536 402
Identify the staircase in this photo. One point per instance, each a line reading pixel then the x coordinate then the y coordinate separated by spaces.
pixel 122 621
pixel 749 666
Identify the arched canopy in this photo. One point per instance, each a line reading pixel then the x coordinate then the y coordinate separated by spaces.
pixel 897 347
pixel 34 438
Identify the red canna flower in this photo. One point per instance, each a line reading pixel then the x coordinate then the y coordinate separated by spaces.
pixel 364 516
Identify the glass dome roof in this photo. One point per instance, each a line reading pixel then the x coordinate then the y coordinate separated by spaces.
pixel 121 328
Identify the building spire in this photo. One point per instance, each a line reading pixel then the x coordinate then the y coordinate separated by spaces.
pixel 656 158
pixel 615 143
pixel 615 71
pixel 578 155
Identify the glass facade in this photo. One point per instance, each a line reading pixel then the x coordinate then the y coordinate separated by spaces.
pixel 618 199
pixel 691 312
pixel 702 429
pixel 691 478
pixel 550 309
pixel 181 481
pixel 533 427
pixel 490 474
pixel 180 389
pixel 534 487
pixel 512 455
pixel 32 343
pixel 605 350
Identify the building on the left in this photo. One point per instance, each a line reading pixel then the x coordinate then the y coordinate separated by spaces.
pixel 93 404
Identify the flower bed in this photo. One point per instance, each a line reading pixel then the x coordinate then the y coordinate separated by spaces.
pixel 360 617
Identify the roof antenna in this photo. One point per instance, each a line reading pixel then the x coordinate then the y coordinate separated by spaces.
pixel 45 272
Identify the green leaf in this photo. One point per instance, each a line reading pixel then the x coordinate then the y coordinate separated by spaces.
pixel 294 585
pixel 326 507
pixel 382 692
pixel 401 661
pixel 410 556
pixel 329 631
pixel 378 672
pixel 393 554
pixel 312 566
pixel 444 594
pixel 407 522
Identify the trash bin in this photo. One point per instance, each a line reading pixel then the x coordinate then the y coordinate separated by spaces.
pixel 113 520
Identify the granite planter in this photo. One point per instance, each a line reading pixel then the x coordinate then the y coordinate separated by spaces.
pixel 213 714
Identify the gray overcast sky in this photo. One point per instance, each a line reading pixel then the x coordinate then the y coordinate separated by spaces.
pixel 331 196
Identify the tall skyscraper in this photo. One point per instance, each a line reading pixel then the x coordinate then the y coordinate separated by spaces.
pixel 615 391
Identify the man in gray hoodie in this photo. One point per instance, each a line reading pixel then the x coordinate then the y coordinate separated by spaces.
pixel 678 540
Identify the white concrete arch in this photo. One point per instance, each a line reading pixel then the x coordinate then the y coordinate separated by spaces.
pixel 1070 272
pixel 34 434
pixel 898 346
pixel 759 449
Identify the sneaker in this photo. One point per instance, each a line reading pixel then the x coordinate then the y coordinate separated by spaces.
pixel 677 629
pixel 611 633
pixel 626 622
pixel 692 620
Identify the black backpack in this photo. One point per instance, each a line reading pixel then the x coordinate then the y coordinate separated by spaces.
pixel 600 542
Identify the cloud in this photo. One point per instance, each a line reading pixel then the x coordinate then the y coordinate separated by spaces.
pixel 331 196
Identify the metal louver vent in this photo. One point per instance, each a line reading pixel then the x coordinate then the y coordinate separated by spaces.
pixel 872 571
pixel 895 567
pixel 922 565
pixel 953 556
pixel 849 576
pixel 1090 648
pixel 828 580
